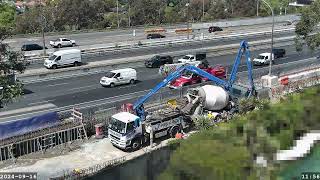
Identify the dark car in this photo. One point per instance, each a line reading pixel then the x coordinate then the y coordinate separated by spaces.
pixel 157 61
pixel 278 53
pixel 214 29
pixel 31 47
pixel 155 36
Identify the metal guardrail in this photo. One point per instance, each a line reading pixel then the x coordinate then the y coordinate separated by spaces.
pixel 151 43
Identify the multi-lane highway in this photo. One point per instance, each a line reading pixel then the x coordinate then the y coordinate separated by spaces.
pixel 93 38
pixel 191 47
pixel 45 96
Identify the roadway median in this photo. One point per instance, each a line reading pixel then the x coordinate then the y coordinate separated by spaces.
pixel 42 74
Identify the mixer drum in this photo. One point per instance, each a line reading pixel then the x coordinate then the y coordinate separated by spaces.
pixel 215 97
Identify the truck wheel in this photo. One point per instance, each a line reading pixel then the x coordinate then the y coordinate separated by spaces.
pixel 173 131
pixel 54 67
pixel 59 46
pixel 135 145
pixel 73 44
pixel 76 63
pixel 112 85
pixel 132 81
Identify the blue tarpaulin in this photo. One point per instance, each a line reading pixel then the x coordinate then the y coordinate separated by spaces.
pixel 14 128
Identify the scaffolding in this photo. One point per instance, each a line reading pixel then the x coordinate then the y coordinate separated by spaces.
pixel 44 139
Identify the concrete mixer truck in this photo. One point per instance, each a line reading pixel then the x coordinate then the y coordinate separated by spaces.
pixel 129 130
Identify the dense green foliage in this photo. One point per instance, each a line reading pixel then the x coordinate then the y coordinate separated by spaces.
pixel 229 150
pixel 10 62
pixel 66 15
pixel 7 14
pixel 307 28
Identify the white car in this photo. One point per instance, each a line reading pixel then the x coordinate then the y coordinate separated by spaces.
pixel 62 42
pixel 187 59
pixel 120 76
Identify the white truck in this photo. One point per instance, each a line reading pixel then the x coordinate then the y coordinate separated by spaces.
pixel 126 131
pixel 191 58
pixel 62 42
pixel 263 59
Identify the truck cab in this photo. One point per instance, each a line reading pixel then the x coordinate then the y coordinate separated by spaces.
pixel 125 131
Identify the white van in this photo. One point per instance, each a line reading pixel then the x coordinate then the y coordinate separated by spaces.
pixel 263 59
pixel 120 76
pixel 63 58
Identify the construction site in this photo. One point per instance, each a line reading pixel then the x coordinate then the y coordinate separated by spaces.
pixel 90 141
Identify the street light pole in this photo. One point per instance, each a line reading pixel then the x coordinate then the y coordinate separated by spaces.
pixel 257 7
pixel 270 62
pixel 118 13
pixel 187 5
pixel 202 9
pixel 43 23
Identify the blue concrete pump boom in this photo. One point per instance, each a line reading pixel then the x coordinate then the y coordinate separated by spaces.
pixel 227 85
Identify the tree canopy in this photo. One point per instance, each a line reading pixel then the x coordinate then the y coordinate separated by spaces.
pixel 229 151
pixel 307 29
pixel 11 62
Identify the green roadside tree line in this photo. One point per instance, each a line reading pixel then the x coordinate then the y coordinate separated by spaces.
pixel 64 15
pixel 229 150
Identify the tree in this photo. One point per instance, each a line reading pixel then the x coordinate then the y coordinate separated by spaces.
pixel 307 26
pixel 10 62
pixel 7 15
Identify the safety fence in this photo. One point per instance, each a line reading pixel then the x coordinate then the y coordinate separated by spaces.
pixel 296 82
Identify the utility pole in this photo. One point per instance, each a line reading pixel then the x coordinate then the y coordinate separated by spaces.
pixel 270 64
pixel 257 7
pixel 202 10
pixel 187 5
pixel 43 24
pixel 129 19
pixel 118 13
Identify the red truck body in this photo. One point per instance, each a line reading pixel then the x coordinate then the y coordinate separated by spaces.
pixel 190 78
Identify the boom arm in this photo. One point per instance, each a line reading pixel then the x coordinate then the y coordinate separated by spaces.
pixel 244 48
pixel 138 106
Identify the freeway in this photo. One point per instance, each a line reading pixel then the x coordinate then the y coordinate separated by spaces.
pixel 93 38
pixel 173 49
pixel 44 96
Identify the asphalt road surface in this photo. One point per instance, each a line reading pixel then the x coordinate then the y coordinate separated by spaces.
pixel 44 96
pixel 92 38
pixel 171 49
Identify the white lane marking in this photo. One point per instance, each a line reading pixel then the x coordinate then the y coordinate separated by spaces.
pixel 52 85
pixel 125 87
pixel 40 102
pixel 84 87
